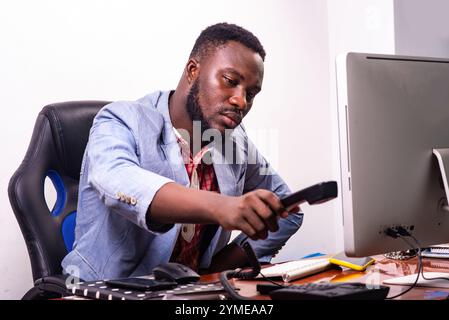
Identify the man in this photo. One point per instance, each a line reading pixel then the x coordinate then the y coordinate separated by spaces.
pixel 153 189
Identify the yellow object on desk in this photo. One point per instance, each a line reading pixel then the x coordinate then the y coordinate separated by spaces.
pixel 359 264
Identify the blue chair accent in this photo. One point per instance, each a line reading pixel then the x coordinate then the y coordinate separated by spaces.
pixel 68 230
pixel 61 194
pixel 68 224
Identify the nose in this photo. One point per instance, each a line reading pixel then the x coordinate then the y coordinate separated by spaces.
pixel 238 100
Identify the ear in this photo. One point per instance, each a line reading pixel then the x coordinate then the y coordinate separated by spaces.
pixel 192 70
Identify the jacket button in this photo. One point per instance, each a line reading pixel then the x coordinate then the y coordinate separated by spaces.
pixel 133 201
pixel 122 197
pixel 118 195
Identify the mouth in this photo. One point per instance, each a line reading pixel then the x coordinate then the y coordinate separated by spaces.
pixel 231 119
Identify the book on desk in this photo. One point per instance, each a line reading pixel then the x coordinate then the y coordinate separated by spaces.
pixel 441 252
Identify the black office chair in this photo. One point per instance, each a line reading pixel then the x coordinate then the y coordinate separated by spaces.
pixel 55 151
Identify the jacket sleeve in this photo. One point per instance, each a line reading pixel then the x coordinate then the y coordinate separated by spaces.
pixel 260 175
pixel 114 169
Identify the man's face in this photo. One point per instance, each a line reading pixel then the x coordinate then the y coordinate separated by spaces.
pixel 225 87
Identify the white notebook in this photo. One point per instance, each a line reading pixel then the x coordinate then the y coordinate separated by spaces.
pixel 293 270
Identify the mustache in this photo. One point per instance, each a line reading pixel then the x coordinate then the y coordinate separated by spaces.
pixel 233 112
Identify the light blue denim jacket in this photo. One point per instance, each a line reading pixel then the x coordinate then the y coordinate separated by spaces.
pixel 131 153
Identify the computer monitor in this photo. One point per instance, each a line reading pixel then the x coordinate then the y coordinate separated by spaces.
pixel 393 111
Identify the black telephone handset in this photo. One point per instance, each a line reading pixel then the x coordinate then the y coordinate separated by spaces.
pixel 318 193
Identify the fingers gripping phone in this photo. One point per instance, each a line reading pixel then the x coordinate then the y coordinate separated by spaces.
pixel 318 193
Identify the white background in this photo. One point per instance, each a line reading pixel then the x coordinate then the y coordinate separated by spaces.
pixel 53 51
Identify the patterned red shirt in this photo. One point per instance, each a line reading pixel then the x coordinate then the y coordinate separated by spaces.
pixel 185 252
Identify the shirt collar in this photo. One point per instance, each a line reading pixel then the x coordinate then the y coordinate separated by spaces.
pixel 186 152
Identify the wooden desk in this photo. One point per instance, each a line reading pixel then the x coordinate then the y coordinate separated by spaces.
pixel 382 269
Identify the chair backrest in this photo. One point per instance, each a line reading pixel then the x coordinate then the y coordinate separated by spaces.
pixel 56 150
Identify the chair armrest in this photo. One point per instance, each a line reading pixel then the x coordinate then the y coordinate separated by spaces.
pixel 53 285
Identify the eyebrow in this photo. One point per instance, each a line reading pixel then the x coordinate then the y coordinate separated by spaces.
pixel 235 72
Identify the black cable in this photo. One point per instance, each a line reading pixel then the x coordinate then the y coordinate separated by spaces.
pixel 240 274
pixel 224 279
pixel 390 232
pixel 402 233
pixel 274 282
pixel 252 273
pixel 422 271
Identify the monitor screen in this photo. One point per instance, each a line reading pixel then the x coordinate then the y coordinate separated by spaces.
pixel 393 111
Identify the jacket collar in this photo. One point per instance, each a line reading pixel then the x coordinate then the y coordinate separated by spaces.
pixel 168 135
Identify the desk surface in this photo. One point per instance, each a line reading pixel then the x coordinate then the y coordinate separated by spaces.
pixel 383 269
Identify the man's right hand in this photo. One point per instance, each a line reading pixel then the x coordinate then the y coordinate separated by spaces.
pixel 254 213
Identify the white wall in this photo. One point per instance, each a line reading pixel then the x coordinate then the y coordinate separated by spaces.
pixel 54 51
pixel 422 27
pixel 300 95
pixel 354 26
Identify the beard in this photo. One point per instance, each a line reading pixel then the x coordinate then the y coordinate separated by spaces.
pixel 195 111
pixel 194 108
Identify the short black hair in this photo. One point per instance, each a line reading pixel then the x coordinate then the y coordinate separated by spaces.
pixel 219 34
